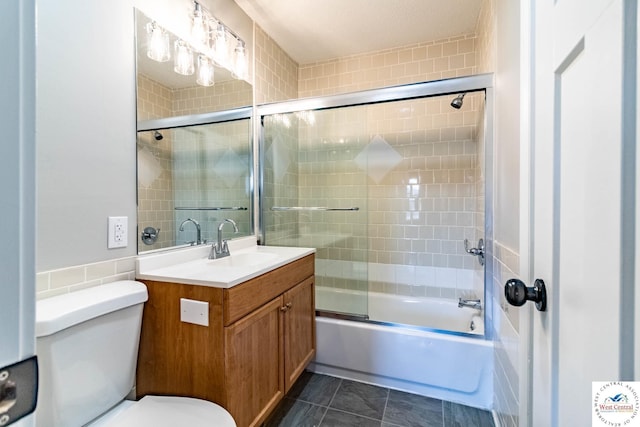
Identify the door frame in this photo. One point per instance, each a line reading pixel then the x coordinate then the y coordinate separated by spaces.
pixel 18 190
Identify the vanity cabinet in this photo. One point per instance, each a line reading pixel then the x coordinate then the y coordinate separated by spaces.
pixel 260 338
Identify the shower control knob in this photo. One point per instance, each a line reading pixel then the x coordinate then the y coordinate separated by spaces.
pixel 517 293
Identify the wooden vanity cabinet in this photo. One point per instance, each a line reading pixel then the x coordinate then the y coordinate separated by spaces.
pixel 261 336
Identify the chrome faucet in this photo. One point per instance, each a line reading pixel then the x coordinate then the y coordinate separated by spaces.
pixel 473 303
pixel 198 231
pixel 220 249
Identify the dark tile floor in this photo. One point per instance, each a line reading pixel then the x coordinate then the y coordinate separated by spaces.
pixel 324 401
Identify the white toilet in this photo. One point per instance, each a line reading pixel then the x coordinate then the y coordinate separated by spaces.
pixel 87 347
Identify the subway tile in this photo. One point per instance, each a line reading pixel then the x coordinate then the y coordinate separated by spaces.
pixel 67 277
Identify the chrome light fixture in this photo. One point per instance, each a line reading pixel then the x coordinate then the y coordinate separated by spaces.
pixel 212 47
pixel 157 43
pixel 240 67
pixel 220 47
pixel 205 71
pixel 183 58
pixel 199 27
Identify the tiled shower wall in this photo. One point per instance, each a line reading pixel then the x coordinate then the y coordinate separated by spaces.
pixel 395 242
pixel 432 60
pixel 156 158
pixel 276 76
pixel 155 175
pixel 211 170
pixel 417 206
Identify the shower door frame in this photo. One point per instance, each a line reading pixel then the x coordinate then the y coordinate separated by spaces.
pixel 475 83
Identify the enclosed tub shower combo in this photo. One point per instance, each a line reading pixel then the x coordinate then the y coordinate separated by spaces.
pixel 390 186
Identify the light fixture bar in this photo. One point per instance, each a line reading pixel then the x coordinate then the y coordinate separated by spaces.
pixel 210 41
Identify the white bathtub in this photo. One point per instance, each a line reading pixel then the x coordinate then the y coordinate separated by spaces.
pixel 440 365
pixel 435 313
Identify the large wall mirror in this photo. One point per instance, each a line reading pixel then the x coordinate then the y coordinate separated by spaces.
pixel 193 149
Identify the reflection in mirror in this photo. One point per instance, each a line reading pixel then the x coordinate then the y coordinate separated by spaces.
pixel 189 170
pixel 163 92
pixel 190 179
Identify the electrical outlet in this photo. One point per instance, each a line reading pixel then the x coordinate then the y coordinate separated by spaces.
pixel 117 232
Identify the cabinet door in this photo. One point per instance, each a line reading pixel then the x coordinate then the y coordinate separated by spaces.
pixel 299 330
pixel 253 360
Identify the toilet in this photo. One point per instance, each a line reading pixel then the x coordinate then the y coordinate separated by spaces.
pixel 87 347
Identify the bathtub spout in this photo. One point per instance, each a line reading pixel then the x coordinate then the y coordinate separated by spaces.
pixel 473 303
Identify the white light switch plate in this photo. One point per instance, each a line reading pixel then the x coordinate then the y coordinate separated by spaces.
pixel 192 311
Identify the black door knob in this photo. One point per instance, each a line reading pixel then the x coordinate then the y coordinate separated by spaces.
pixel 517 293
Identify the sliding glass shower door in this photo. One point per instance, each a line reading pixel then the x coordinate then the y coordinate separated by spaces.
pixel 390 192
pixel 315 195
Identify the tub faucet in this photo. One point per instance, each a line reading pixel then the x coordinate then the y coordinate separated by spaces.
pixel 473 303
pixel 198 231
pixel 220 249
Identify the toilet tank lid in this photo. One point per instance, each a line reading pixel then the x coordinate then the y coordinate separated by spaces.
pixel 62 311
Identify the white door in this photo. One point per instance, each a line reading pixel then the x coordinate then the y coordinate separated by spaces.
pixel 17 189
pixel 580 208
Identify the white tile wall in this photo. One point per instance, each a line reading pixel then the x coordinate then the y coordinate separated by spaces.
pixel 64 280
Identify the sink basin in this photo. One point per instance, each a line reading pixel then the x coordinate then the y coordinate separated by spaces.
pixel 191 266
pixel 243 259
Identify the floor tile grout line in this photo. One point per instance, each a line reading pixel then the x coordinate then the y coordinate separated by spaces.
pixel 356 414
pixel 329 404
pixel 386 403
pixel 335 393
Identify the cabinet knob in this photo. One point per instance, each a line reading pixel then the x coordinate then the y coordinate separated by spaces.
pixel 286 307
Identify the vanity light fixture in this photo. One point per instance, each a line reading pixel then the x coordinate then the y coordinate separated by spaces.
pixel 157 43
pixel 205 71
pixel 199 27
pixel 240 66
pixel 183 58
pixel 220 47
pixel 210 39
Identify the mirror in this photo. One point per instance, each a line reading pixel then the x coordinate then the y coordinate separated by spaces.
pixel 162 92
pixel 194 158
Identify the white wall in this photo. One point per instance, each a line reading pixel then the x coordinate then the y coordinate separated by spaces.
pixel 86 120
pixel 507 124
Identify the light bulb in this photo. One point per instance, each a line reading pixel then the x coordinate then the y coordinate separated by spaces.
pixel 220 49
pixel 205 71
pixel 157 43
pixel 240 66
pixel 183 59
pixel 199 27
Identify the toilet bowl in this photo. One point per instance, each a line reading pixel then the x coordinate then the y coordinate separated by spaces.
pixel 87 346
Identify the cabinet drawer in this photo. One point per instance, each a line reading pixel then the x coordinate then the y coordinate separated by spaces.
pixel 246 297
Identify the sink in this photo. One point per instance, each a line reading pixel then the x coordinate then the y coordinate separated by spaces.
pixel 243 259
pixel 191 266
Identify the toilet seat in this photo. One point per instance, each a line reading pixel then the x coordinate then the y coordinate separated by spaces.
pixel 165 411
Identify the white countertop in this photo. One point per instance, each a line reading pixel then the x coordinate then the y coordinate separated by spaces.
pixel 191 265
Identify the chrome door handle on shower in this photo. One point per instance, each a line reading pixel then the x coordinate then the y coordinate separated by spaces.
pixel 479 251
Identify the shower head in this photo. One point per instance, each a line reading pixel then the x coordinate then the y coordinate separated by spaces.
pixel 157 135
pixel 457 101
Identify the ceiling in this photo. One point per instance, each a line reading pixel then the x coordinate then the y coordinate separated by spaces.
pixel 318 30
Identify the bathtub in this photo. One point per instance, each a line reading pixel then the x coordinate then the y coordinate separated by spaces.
pixel 434 313
pixel 441 365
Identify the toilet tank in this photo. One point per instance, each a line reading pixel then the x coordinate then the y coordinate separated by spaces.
pixel 87 347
